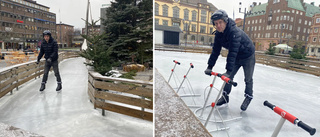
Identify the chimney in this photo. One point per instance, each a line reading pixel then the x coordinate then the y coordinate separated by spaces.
pixel 254 4
pixel 259 3
pixel 312 3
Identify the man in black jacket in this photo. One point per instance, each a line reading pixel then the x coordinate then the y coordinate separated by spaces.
pixel 241 54
pixel 49 48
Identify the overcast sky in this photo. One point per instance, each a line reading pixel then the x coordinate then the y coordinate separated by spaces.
pixel 71 11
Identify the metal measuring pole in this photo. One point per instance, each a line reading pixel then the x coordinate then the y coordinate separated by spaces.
pixel 185 76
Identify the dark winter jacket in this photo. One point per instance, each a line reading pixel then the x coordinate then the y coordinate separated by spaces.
pixel 236 41
pixel 50 50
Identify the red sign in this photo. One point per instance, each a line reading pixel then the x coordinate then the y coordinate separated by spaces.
pixel 20 21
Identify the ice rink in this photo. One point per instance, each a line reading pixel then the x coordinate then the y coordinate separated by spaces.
pixel 295 92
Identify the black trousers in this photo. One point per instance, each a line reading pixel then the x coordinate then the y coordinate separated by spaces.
pixel 47 67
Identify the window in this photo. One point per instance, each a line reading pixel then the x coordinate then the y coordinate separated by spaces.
pixel 193 28
pixel 202 38
pixel 193 37
pixel 292 11
pixel 275 35
pixel 309 23
pixel 318 20
pixel 284 17
pixel 305 22
pixel 299 21
pixel 277 19
pixel 165 22
pixel 194 16
pixel 314 39
pixel 249 22
pixel 203 16
pixel 300 13
pixel 259 28
pixel 297 12
pixel 175 24
pixel 186 14
pixel 297 37
pixel 248 29
pixel 202 29
pixel 318 50
pixel 211 30
pixel 315 30
pixel 302 38
pixel 165 11
pixel 291 19
pixel 175 12
pixel 304 30
pixel 277 26
pixel 156 8
pixel 312 49
pixel 298 29
pixel 260 20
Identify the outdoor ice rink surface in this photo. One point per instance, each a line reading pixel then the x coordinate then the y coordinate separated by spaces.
pixel 295 92
pixel 69 113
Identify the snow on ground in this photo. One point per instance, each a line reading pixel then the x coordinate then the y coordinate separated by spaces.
pixel 297 93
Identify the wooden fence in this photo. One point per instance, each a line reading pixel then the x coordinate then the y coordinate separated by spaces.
pixel 14 76
pixel 121 95
pixel 306 66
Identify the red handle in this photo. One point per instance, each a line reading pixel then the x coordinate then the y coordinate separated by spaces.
pixel 191 65
pixel 176 62
pixel 214 73
pixel 285 114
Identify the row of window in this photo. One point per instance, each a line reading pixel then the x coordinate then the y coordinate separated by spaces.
pixel 20 26
pixel 28 10
pixel 20 35
pixel 281 18
pixel 288 11
pixel 24 18
pixel 277 35
pixel 313 50
pixel 31 5
pixel 278 26
pixel 193 26
pixel 176 13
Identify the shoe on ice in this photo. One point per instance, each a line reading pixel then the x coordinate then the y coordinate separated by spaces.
pixel 43 86
pixel 246 102
pixel 223 100
pixel 59 87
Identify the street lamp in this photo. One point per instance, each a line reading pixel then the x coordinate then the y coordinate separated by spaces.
pixel 282 25
pixel 244 15
pixel 289 37
pixel 187 31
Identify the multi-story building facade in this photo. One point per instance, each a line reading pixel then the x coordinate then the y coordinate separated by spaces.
pixel 103 12
pixel 93 30
pixel 279 21
pixel 314 37
pixel 22 23
pixel 64 35
pixel 192 16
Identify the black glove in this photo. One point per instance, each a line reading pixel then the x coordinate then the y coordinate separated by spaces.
pixel 49 60
pixel 37 61
pixel 208 72
pixel 227 74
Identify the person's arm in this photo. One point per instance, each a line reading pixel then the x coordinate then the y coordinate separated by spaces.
pixel 235 38
pixel 216 48
pixel 40 54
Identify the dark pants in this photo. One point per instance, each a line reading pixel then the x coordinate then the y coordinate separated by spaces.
pixel 47 67
pixel 248 68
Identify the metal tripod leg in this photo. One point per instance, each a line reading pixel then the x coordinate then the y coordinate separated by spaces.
pixel 205 102
pixel 185 76
pixel 172 72
pixel 278 128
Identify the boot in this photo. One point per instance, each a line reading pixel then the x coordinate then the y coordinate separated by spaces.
pixel 224 99
pixel 43 86
pixel 59 87
pixel 246 102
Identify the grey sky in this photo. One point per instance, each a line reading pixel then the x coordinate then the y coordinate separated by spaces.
pixel 71 11
pixel 229 5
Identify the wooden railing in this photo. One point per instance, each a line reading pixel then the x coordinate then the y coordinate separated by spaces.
pixel 125 96
pixel 14 76
pixel 306 66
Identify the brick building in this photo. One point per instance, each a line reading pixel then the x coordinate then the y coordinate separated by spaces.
pixel 22 23
pixel 314 37
pixel 64 35
pixel 192 16
pixel 95 29
pixel 263 22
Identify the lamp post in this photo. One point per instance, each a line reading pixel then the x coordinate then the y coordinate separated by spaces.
pixel 244 15
pixel 187 31
pixel 282 25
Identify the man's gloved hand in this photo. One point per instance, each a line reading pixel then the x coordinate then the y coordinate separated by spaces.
pixel 49 60
pixel 208 72
pixel 227 74
pixel 38 62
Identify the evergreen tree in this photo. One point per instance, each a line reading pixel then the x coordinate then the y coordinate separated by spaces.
pixel 298 51
pixel 271 49
pixel 129 25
